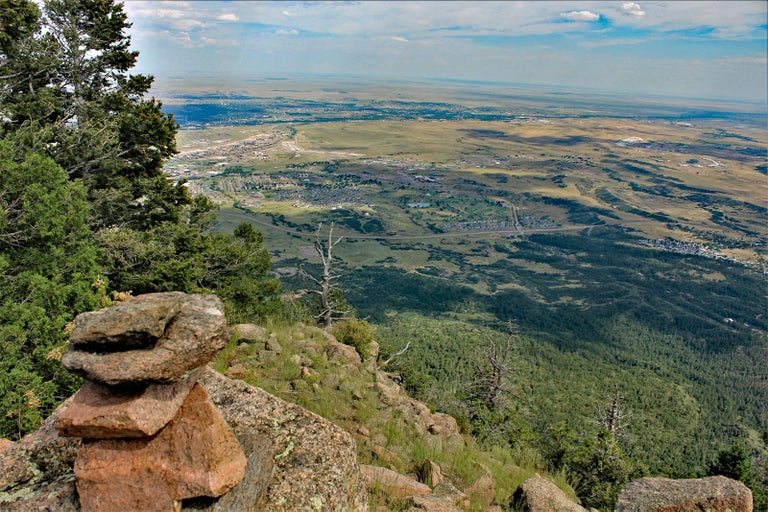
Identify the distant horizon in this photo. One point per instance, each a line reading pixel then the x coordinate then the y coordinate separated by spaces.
pixel 239 83
pixel 714 50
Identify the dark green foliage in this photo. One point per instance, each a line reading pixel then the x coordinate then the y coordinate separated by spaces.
pixel 49 267
pixel 84 204
pixel 599 469
pixel 595 464
pixel 181 257
pixel 748 466
pixel 508 427
pixel 612 312
pixel 355 332
pixel 734 462
pixel 236 268
pixel 67 90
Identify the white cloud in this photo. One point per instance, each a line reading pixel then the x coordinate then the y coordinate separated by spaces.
pixel 161 13
pixel 283 32
pixel 399 38
pixel 580 16
pixel 180 39
pixel 610 42
pixel 632 9
pixel 288 13
pixel 743 60
pixel 174 19
pixel 186 24
pixel 207 41
pixel 228 17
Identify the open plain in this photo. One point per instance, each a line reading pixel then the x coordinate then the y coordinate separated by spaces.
pixel 626 237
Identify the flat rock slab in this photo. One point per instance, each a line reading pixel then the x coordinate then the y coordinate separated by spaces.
pixel 196 454
pixel 157 337
pixel 391 482
pixel 104 412
pixel 688 495
pixel 135 323
pixel 538 494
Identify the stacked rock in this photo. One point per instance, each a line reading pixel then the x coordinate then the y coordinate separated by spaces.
pixel 151 437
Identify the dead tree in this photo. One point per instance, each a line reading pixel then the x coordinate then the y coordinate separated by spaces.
pixel 613 414
pixel 492 369
pixel 396 354
pixel 332 307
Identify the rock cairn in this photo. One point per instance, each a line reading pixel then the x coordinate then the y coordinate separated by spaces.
pixel 151 436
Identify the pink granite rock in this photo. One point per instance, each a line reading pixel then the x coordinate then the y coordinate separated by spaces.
pixel 392 483
pixel 714 493
pixel 103 412
pixel 196 454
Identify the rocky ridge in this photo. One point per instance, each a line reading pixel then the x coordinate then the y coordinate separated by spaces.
pixel 296 459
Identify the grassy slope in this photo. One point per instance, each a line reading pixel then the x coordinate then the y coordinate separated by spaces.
pixel 345 394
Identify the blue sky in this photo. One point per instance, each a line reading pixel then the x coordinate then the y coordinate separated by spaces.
pixel 707 49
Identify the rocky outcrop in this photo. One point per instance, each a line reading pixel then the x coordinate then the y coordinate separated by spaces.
pixel 36 472
pixel 693 495
pixel 157 337
pixel 424 421
pixel 538 494
pixel 5 443
pixel 250 332
pixel 408 492
pixel 151 437
pixel 314 461
pixel 430 474
pixel 430 503
pixel 296 460
pixel 292 459
pixel 448 492
pixel 483 490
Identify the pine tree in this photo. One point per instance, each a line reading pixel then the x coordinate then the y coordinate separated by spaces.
pixel 65 85
pixel 85 207
pixel 50 272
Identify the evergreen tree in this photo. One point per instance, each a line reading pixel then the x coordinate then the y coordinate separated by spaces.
pixel 600 469
pixel 734 462
pixel 50 272
pixel 65 85
pixel 237 268
pixel 84 202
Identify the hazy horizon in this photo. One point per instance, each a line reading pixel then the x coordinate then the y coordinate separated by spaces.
pixel 710 49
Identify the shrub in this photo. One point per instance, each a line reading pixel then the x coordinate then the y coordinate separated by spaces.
pixel 354 332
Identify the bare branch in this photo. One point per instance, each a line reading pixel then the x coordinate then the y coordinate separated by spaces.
pixel 492 369
pixel 396 354
pixel 613 414
pixel 327 289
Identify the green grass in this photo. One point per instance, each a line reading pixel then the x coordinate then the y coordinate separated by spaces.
pixel 353 403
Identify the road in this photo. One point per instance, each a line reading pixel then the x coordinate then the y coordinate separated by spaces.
pixel 449 234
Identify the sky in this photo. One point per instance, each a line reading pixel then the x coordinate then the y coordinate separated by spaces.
pixel 706 49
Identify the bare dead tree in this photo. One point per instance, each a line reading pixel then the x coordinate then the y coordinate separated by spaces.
pixel 613 414
pixel 327 290
pixel 396 354
pixel 492 369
